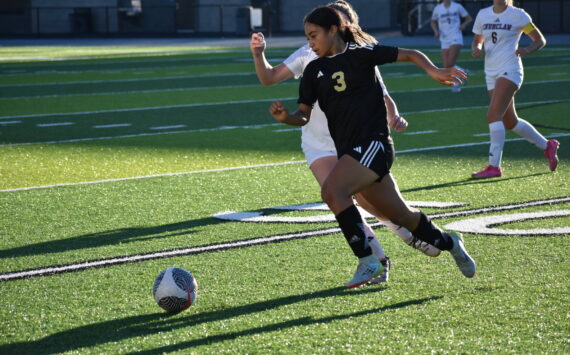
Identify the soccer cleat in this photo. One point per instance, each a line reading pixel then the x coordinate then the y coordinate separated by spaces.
pixel 489 171
pixel 465 262
pixel 385 275
pixel 368 268
pixel 551 153
pixel 420 245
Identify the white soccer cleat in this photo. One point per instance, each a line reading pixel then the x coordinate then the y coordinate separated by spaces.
pixel 368 268
pixel 384 275
pixel 463 260
pixel 420 245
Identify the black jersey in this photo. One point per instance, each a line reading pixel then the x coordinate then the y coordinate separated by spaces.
pixel 349 93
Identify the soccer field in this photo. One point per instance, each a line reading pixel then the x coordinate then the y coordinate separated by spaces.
pixel 118 162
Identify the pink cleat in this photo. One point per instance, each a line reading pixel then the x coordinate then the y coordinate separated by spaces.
pixel 490 171
pixel 551 153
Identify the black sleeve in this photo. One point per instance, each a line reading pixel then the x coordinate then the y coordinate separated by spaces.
pixel 307 90
pixel 384 54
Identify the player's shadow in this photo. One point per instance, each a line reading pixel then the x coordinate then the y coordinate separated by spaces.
pixel 149 324
pixel 116 236
pixel 110 237
pixel 468 181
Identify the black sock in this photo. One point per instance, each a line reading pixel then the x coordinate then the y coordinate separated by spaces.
pixel 352 227
pixel 431 234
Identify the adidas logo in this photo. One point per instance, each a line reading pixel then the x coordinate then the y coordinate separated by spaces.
pixel 497 20
pixel 354 239
pixel 358 149
pixel 320 74
pixel 505 73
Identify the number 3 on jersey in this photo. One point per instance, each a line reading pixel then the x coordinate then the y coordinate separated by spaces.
pixel 340 83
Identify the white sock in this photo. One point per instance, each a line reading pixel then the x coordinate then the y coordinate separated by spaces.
pixel 374 243
pixel 400 231
pixel 528 132
pixel 497 131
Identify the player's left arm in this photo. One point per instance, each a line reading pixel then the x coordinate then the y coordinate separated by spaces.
pixel 466 22
pixel 538 40
pixel 445 76
pixel 297 118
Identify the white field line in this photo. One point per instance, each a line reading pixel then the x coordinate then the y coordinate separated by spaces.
pixel 55 124
pixel 481 135
pixel 168 127
pixel 84 265
pixel 404 151
pixel 286 130
pixel 420 132
pixel 197 88
pixel 9 122
pixel 221 128
pixel 136 135
pixel 114 125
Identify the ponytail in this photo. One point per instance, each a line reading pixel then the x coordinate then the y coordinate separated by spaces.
pixel 359 36
pixel 326 17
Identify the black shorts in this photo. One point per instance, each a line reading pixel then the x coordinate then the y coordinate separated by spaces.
pixel 376 155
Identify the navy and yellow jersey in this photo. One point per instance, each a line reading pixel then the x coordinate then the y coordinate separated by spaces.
pixel 349 93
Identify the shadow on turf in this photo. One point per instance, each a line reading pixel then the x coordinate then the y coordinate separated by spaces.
pixel 149 324
pixel 469 181
pixel 115 236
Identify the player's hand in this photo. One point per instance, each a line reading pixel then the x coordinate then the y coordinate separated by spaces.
pixel 257 43
pixel 521 52
pixel 398 123
pixel 448 76
pixel 476 53
pixel 278 111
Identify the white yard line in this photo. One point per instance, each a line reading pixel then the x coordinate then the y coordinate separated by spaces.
pixel 420 132
pixel 405 151
pixel 114 125
pixel 158 128
pixel 9 122
pixel 55 124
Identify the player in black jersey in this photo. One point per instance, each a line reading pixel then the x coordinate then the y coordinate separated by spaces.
pixel 342 80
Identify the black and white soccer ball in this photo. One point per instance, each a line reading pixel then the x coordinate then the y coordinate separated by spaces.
pixel 175 289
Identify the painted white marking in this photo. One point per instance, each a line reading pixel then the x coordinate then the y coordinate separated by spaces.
pixel 168 127
pixel 286 130
pixel 55 124
pixel 3 123
pixel 481 135
pixel 558 74
pixel 420 132
pixel 149 108
pixel 483 225
pixel 239 244
pixel 115 125
pixel 259 217
pixel 255 166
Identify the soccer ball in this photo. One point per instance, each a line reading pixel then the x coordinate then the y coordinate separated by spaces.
pixel 175 289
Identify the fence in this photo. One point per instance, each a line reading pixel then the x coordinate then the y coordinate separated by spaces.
pixel 551 16
pixel 115 21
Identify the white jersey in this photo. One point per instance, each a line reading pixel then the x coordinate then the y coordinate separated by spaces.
pixel 502 33
pixel 315 135
pixel 449 19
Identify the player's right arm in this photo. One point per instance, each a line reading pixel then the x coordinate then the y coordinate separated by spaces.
pixel 266 73
pixel 478 38
pixel 434 24
pixel 297 118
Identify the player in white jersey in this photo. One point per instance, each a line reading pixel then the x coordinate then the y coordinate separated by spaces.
pixel 447 26
pixel 498 29
pixel 316 141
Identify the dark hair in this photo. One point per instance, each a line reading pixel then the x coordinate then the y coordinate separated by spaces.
pixel 326 17
pixel 361 37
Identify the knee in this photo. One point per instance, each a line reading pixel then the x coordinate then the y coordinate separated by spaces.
pixel 328 194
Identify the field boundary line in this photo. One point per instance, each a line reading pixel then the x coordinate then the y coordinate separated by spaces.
pixel 197 88
pixel 404 151
pixel 105 262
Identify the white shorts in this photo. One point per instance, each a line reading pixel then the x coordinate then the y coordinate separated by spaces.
pixel 515 75
pixel 449 41
pixel 316 140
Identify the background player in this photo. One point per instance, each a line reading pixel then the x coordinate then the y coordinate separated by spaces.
pixel 447 26
pixel 342 80
pixel 316 141
pixel 499 28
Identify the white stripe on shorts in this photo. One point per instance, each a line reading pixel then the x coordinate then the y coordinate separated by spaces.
pixel 371 152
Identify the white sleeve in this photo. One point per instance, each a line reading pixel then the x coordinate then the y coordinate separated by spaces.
pixel 462 11
pixel 477 26
pixel 381 81
pixel 297 61
pixel 524 18
pixel 434 14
